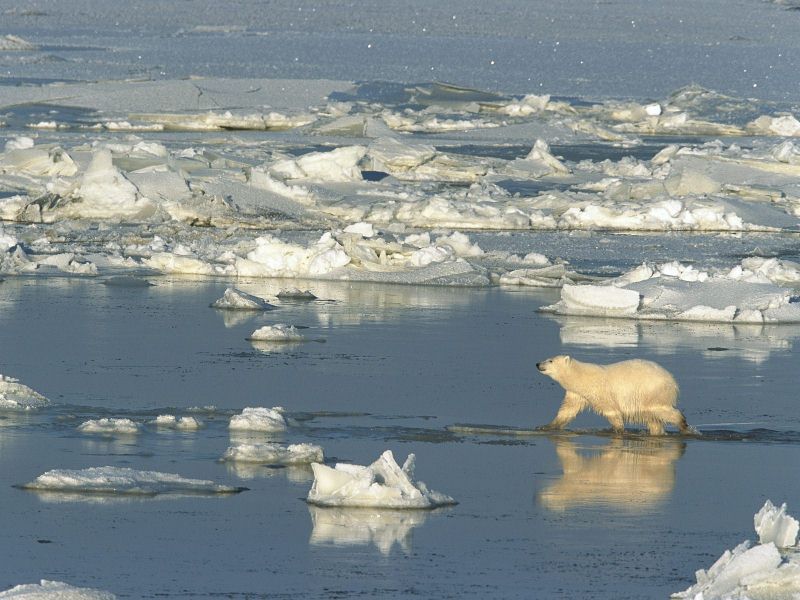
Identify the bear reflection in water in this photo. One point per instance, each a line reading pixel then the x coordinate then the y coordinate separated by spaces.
pixel 630 474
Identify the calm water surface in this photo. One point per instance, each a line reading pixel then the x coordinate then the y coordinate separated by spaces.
pixel 576 515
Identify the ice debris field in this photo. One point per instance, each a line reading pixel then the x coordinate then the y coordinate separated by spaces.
pixel 630 170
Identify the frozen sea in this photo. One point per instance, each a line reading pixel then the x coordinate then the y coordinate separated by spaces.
pixel 435 175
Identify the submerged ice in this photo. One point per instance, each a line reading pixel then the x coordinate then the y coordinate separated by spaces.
pixel 383 484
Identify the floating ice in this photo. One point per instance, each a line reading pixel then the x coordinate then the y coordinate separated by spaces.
pixel 296 294
pixel 234 299
pixel 279 332
pixel 383 484
pixel 55 590
pixel 120 480
pixel 109 426
pixel 743 294
pixel 772 524
pixel 759 572
pixel 18 396
pixel 10 43
pixel 340 164
pixel 259 419
pixel 274 454
pixel 180 423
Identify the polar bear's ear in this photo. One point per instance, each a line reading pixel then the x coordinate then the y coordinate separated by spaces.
pixel 567 358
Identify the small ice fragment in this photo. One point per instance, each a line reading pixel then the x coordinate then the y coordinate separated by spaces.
pixel 181 423
pixel 109 426
pixel 296 294
pixel 274 454
pixel 121 480
pixel 363 229
pixel 259 419
pixel 17 396
pixel 55 590
pixel 772 524
pixel 126 281
pixel 653 110
pixel 383 484
pixel 279 332
pixel 234 299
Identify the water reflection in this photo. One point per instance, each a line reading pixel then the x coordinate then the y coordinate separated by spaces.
pixel 754 343
pixel 632 475
pixel 384 528
pixel 249 470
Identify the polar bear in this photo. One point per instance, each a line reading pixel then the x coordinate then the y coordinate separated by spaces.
pixel 633 391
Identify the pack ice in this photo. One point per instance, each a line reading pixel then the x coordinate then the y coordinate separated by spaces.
pixel 769 570
pixel 122 480
pixel 15 395
pixel 383 484
pixel 746 293
pixel 54 590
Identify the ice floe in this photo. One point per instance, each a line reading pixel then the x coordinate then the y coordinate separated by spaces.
pixel 179 423
pixel 234 299
pixel 274 454
pixel 18 396
pixel 259 419
pixel 109 426
pixel 55 590
pixel 279 332
pixel 769 570
pixel 122 480
pixel 383 484
pixel 744 294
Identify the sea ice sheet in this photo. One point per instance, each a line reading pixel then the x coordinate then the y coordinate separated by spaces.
pixel 122 480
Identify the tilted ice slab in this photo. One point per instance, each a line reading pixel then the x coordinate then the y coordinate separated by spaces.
pixel 760 572
pixel 18 396
pixel 259 419
pixel 54 590
pixel 109 426
pixel 745 294
pixel 383 484
pixel 234 299
pixel 121 480
pixel 275 454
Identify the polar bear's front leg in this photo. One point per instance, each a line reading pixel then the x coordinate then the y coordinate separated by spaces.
pixel 570 407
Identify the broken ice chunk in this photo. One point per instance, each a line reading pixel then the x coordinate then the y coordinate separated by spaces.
pixel 234 299
pixel 383 484
pixel 772 524
pixel 259 419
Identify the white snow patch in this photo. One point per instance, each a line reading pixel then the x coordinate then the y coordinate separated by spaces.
pixel 383 484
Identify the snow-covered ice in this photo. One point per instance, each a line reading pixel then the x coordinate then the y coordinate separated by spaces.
pixel 234 299
pixel 755 572
pixel 54 590
pixel 109 426
pixel 122 480
pixel 18 396
pixel 279 332
pixel 275 454
pixel 259 419
pixel 383 484
pixel 179 423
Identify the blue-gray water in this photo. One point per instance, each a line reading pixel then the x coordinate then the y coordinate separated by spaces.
pixel 579 515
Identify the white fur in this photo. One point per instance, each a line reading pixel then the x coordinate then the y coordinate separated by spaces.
pixel 631 391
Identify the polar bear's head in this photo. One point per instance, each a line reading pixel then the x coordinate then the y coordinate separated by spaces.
pixel 555 367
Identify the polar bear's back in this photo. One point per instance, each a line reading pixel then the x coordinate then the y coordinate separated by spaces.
pixel 637 380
